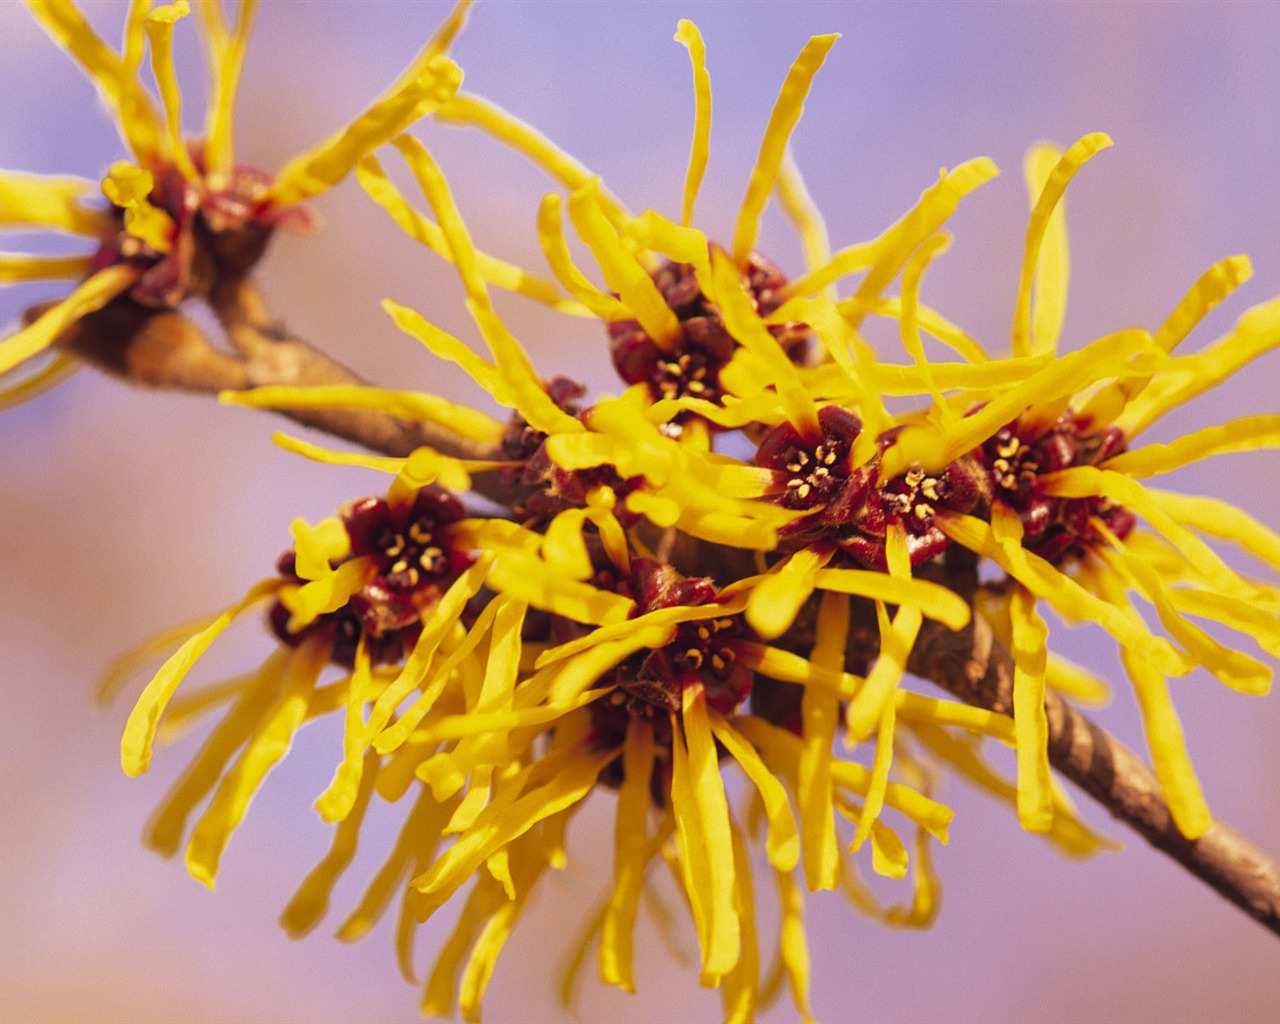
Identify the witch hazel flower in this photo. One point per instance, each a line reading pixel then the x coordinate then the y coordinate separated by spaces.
pixel 180 214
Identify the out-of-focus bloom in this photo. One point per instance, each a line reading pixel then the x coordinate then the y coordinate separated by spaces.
pixel 180 213
pixel 586 644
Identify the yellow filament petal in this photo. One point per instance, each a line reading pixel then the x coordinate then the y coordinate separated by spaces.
pixel 466 109
pixel 880 766
pixel 1168 748
pixel 1030 637
pixel 51 202
pixel 414 844
pixel 311 900
pixel 782 121
pixel 631 855
pixel 318 546
pixel 226 59
pixel 912 274
pixel 421 228
pixel 328 593
pixel 1046 220
pixel 336 802
pixel 1221 519
pixel 936 204
pixel 1256 332
pixel 94 293
pixel 140 729
pixel 776 599
pixel 513 364
pixel 447 347
pixel 745 326
pixel 1246 434
pixel 129 186
pixel 498 825
pixel 16 267
pixel 926 892
pixel 804 214
pixel 793 943
pixel 933 447
pixel 622 272
pixel 323 166
pixel 783 840
pixel 820 713
pixel 1210 289
pixel 1236 669
pixel 115 80
pixel 934 601
pixel 411 405
pixel 168 823
pixel 702 820
pixel 1053 265
pixel 687 35
pixel 867 709
pixel 1063 594
pixel 738 989
pixel 272 741
pixel 159 25
pixel 560 260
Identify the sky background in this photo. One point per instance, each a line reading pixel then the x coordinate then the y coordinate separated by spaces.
pixel 122 512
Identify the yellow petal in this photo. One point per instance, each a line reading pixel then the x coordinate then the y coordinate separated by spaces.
pixel 51 202
pixel 776 599
pixel 702 822
pixel 309 904
pixel 496 272
pixel 1248 433
pixel 783 842
pixel 623 273
pixel 319 546
pixel 226 60
pixel 1030 637
pixel 159 25
pixel 327 594
pixel 323 166
pixel 631 855
pixel 936 204
pixel 140 729
pixel 782 121
pixel 271 742
pixel 94 293
pixel 804 214
pixel 115 80
pixel 478 113
pixel 339 800
pixel 16 267
pixel 411 405
pixel 1168 748
pixel 1047 219
pixel 556 249
pixel 688 36
pixel 168 823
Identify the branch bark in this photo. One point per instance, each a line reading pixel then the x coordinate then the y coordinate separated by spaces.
pixel 974 666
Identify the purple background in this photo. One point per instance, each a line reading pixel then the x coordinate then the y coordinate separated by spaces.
pixel 121 512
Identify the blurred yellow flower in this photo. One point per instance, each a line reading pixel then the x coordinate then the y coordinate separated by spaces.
pixel 181 212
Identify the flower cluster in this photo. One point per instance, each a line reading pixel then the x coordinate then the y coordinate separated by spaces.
pixel 180 214
pixel 656 617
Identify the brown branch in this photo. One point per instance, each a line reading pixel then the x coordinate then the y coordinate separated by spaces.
pixel 974 666
pixel 165 349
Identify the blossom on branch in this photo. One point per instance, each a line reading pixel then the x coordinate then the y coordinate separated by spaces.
pixel 723 643
pixel 180 214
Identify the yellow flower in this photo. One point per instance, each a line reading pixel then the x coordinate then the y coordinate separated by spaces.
pixel 181 212
pixel 663 669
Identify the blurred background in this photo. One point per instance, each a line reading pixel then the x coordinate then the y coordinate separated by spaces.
pixel 122 512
